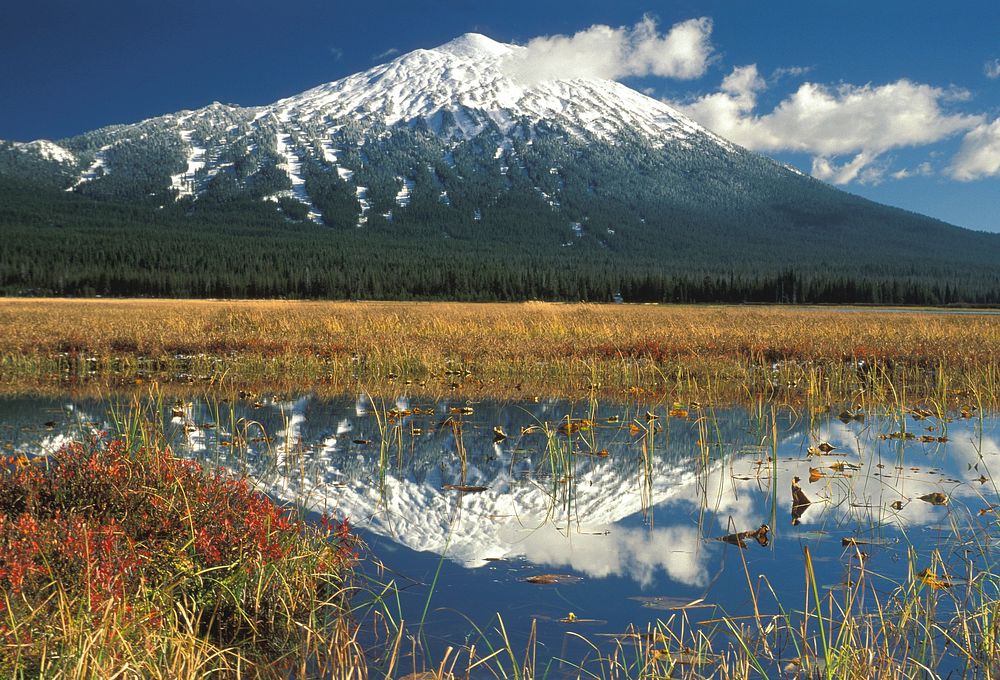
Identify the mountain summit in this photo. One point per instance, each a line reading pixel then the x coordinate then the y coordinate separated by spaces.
pixel 478 83
pixel 462 146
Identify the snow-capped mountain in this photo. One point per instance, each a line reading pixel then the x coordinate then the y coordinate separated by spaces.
pixel 461 146
pixel 469 90
pixel 473 81
pixel 464 90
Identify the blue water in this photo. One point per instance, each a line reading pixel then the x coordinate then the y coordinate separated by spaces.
pixel 628 534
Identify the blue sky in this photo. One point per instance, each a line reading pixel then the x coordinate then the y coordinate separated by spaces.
pixel 896 101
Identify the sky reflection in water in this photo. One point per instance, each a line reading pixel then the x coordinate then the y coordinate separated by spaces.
pixel 636 524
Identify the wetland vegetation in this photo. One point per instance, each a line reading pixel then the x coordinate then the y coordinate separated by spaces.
pixel 544 349
pixel 536 490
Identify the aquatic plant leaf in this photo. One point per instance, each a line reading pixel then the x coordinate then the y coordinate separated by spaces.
pixel 682 657
pixel 852 541
pixel 815 535
pixel 464 488
pixel 760 534
pixel 935 498
pixel 932 580
pixel 550 579
pixel 667 603
pixel 800 501
pixel 574 425
pixel 603 453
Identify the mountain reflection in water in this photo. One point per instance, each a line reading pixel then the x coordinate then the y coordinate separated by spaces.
pixel 631 503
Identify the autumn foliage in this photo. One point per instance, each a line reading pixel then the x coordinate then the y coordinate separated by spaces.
pixel 98 532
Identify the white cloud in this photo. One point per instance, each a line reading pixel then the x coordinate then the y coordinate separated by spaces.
pixel 863 168
pixel 992 68
pixel 979 155
pixel 636 553
pixel 922 170
pixel 790 71
pixel 336 52
pixel 863 121
pixel 605 52
pixel 391 52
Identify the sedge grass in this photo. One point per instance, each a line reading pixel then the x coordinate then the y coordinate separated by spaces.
pixel 530 348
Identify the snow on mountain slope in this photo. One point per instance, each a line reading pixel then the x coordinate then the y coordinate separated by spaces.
pixel 470 78
pixel 47 150
pixel 458 91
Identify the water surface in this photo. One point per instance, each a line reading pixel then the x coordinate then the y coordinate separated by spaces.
pixel 625 506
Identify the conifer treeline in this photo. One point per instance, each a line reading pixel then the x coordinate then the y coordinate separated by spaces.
pixel 60 244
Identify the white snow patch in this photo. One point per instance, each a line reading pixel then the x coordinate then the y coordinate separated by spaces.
pixel 362 195
pixel 95 170
pixel 403 195
pixel 48 150
pixel 292 166
pixel 184 183
pixel 329 152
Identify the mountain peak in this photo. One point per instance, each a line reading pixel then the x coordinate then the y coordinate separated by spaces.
pixel 474 45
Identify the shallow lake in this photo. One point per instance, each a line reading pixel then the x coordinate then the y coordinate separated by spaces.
pixel 617 509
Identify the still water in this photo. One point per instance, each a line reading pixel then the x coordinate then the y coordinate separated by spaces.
pixel 618 507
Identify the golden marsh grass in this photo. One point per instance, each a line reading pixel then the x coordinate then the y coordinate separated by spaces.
pixel 541 347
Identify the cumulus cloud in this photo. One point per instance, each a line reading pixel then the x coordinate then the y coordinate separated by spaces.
pixel 979 155
pixel 636 553
pixel 601 51
pixel 860 121
pixel 992 68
